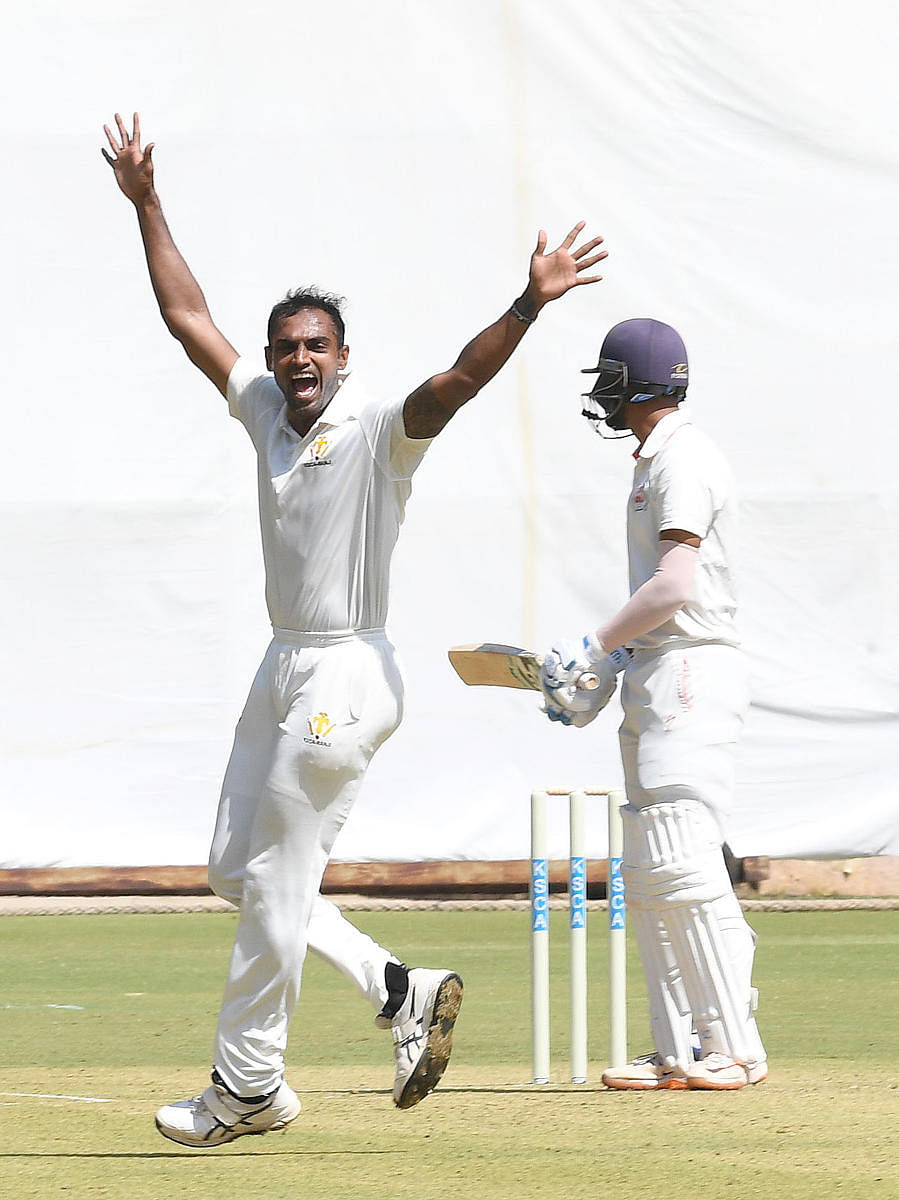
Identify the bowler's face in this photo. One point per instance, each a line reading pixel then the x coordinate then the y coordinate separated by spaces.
pixel 305 358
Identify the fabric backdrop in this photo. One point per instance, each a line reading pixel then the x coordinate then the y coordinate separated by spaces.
pixel 742 162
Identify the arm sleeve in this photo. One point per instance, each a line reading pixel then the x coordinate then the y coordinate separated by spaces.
pixel 396 454
pixel 667 589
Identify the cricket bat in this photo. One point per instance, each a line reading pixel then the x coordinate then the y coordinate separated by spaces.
pixel 492 665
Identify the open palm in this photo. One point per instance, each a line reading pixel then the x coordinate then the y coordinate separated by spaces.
pixel 553 274
pixel 133 167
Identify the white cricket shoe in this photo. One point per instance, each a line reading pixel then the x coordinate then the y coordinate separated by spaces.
pixel 645 1073
pixel 217 1117
pixel 718 1073
pixel 423 1033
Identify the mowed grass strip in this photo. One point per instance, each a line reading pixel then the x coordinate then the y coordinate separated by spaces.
pixel 122 1008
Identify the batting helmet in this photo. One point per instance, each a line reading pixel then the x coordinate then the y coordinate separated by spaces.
pixel 640 359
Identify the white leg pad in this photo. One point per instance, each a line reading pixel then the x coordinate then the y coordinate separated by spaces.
pixel 703 938
pixel 670 1017
pixel 675 876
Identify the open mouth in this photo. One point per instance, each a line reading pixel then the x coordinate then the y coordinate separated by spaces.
pixel 303 386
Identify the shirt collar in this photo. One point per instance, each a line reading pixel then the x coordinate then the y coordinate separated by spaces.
pixel 661 432
pixel 345 404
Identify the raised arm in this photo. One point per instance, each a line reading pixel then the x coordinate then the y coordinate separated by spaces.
pixel 181 301
pixel 430 406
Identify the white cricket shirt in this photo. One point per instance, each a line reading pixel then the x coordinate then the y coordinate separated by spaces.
pixel 330 503
pixel 682 481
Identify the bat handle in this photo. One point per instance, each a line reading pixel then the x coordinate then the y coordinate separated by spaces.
pixel 587 682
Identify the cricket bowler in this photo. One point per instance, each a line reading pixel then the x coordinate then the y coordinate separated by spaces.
pixel 334 473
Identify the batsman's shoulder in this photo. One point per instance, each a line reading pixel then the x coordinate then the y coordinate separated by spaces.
pixel 692 446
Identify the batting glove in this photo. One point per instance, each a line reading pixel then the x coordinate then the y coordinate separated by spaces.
pixel 579 678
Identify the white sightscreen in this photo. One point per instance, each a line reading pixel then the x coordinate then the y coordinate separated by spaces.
pixel 741 161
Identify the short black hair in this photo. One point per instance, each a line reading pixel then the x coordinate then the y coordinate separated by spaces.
pixel 309 297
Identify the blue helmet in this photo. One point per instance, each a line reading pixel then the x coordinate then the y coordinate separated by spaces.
pixel 640 359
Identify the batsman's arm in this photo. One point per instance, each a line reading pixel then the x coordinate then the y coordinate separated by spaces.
pixel 655 601
pixel 180 298
pixel 430 406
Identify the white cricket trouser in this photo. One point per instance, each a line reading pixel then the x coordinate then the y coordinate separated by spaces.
pixel 683 714
pixel 319 707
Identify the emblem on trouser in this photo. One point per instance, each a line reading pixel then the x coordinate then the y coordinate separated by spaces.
pixel 319 727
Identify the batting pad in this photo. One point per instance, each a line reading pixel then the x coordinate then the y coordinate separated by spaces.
pixel 690 928
pixel 670 1015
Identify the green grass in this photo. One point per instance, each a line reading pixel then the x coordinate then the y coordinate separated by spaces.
pixel 122 1008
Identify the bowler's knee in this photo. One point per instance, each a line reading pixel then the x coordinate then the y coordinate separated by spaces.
pixel 225 879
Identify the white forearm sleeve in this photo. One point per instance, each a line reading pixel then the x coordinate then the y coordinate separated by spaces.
pixel 659 598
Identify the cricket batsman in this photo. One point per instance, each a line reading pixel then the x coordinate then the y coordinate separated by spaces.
pixel 684 694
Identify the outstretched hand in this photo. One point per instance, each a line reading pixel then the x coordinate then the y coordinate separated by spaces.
pixel 132 166
pixel 554 274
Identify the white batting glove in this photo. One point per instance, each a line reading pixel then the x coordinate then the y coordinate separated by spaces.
pixel 579 678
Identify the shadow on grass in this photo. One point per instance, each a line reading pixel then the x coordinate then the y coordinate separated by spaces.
pixel 496 1089
pixel 201 1153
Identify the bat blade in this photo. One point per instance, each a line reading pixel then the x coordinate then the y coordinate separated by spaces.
pixel 492 665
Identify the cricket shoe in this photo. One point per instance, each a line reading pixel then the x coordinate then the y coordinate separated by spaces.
pixel 646 1073
pixel 217 1117
pixel 718 1073
pixel 422 1030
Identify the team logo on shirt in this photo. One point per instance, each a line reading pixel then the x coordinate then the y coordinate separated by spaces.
pixel 318 453
pixel 639 497
pixel 319 727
